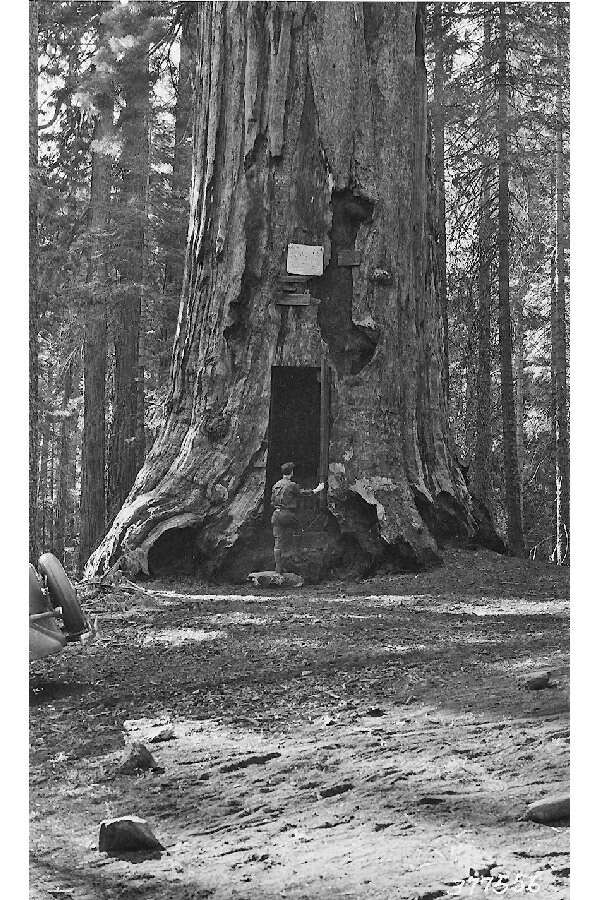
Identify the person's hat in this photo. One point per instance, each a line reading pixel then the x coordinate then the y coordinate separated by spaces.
pixel 287 468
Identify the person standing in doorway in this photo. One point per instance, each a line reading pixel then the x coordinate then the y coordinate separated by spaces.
pixel 284 499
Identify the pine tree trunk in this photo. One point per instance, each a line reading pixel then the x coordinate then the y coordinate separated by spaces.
pixel 519 362
pixel 93 450
pixel 180 184
pixel 480 483
pixel 34 436
pixel 64 456
pixel 559 327
pixel 43 484
pixel 51 495
pixel 439 138
pixel 511 464
pixel 310 128
pixel 127 444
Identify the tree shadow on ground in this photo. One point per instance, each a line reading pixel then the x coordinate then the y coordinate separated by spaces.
pixel 43 690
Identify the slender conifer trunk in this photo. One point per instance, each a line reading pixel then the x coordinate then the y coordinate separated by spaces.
pixel 127 433
pixel 439 138
pixel 559 327
pixel 34 436
pixel 512 482
pixel 93 451
pixel 180 184
pixel 65 451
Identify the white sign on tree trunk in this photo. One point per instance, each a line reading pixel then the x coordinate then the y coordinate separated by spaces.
pixel 303 259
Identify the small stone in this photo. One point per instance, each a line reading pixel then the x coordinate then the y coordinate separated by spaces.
pixel 127 833
pixel 555 808
pixel 336 789
pixel 276 579
pixel 165 734
pixel 538 681
pixel 431 895
pixel 137 757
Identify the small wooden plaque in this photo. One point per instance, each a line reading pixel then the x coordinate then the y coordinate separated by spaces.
pixel 293 287
pixel 294 279
pixel 348 258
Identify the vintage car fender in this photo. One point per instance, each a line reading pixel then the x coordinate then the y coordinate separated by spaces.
pixel 51 599
pixel 45 637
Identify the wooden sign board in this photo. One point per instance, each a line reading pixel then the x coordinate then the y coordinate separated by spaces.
pixel 294 300
pixel 304 259
pixel 294 287
pixel 348 258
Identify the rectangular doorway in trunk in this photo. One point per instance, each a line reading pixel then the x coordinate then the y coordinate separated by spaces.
pixel 294 425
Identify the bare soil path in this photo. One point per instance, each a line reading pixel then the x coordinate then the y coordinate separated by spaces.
pixel 366 740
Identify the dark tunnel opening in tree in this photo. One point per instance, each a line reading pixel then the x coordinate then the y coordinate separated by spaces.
pixel 294 425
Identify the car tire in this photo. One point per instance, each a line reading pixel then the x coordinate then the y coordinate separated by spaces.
pixel 37 600
pixel 62 594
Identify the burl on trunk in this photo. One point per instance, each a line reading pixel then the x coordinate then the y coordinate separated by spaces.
pixel 310 129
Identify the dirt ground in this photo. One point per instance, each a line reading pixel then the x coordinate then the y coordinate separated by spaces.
pixel 365 740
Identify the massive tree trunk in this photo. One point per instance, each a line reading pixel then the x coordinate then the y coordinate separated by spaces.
pixel 559 324
pixel 512 481
pixel 127 443
pixel 93 449
pixel 310 128
pixel 34 435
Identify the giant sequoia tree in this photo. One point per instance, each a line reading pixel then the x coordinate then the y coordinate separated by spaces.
pixel 310 128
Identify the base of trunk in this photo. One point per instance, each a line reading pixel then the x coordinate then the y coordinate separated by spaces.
pixel 347 544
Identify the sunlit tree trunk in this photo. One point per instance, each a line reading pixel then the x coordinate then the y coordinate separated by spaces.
pixel 180 183
pixel 127 432
pixel 559 327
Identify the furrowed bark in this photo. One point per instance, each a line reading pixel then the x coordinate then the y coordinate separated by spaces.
pixel 439 139
pixel 310 127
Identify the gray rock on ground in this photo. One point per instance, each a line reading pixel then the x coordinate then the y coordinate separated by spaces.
pixel 555 808
pixel 276 579
pixel 165 734
pixel 537 681
pixel 137 757
pixel 127 833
